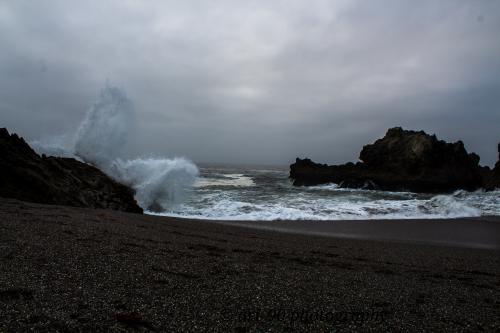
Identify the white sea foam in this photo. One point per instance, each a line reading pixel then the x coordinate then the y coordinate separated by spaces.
pixel 328 187
pixel 291 203
pixel 448 206
pixel 160 183
pixel 225 180
pixel 237 210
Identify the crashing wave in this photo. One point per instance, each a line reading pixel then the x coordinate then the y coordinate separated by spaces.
pixel 160 183
pixel 447 206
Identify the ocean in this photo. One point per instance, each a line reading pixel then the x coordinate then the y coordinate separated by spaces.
pixel 178 187
pixel 265 193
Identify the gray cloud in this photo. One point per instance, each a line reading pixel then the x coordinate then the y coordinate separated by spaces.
pixel 256 81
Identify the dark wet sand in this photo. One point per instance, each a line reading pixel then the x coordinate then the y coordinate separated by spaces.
pixel 483 232
pixel 71 269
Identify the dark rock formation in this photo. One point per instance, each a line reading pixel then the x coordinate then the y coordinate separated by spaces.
pixel 26 176
pixel 401 161
pixel 492 179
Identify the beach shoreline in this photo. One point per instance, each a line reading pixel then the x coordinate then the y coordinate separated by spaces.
pixel 470 232
pixel 77 269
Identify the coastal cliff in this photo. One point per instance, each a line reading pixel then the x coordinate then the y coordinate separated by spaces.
pixel 403 161
pixel 24 175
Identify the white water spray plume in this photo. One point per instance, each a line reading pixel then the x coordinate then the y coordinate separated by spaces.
pixel 159 183
pixel 103 133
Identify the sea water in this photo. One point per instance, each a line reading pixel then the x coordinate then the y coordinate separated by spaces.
pixel 264 193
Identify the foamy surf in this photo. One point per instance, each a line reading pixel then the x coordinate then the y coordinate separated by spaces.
pixel 270 196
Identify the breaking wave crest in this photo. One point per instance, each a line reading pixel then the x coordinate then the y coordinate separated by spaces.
pixel 229 209
pixel 159 183
pixel 449 206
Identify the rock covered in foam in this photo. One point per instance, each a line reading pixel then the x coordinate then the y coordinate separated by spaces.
pixel 160 183
pixel 401 160
pixel 26 176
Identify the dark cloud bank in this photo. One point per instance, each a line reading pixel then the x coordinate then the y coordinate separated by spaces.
pixel 256 81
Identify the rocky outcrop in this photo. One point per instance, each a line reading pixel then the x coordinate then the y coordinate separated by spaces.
pixel 400 161
pixel 492 179
pixel 26 176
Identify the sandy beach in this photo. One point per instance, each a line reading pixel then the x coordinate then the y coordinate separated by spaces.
pixel 74 269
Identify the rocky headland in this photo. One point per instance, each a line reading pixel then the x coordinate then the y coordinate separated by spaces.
pixel 404 161
pixel 27 176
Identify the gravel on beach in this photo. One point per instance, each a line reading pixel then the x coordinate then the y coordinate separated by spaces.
pixel 72 269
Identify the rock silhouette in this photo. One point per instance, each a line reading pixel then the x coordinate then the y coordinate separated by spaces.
pixel 402 161
pixel 492 179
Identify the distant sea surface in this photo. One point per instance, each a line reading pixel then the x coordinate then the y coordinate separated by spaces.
pixel 266 193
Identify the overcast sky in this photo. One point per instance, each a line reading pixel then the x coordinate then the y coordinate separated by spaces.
pixel 256 81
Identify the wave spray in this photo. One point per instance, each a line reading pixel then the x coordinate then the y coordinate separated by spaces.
pixel 159 183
